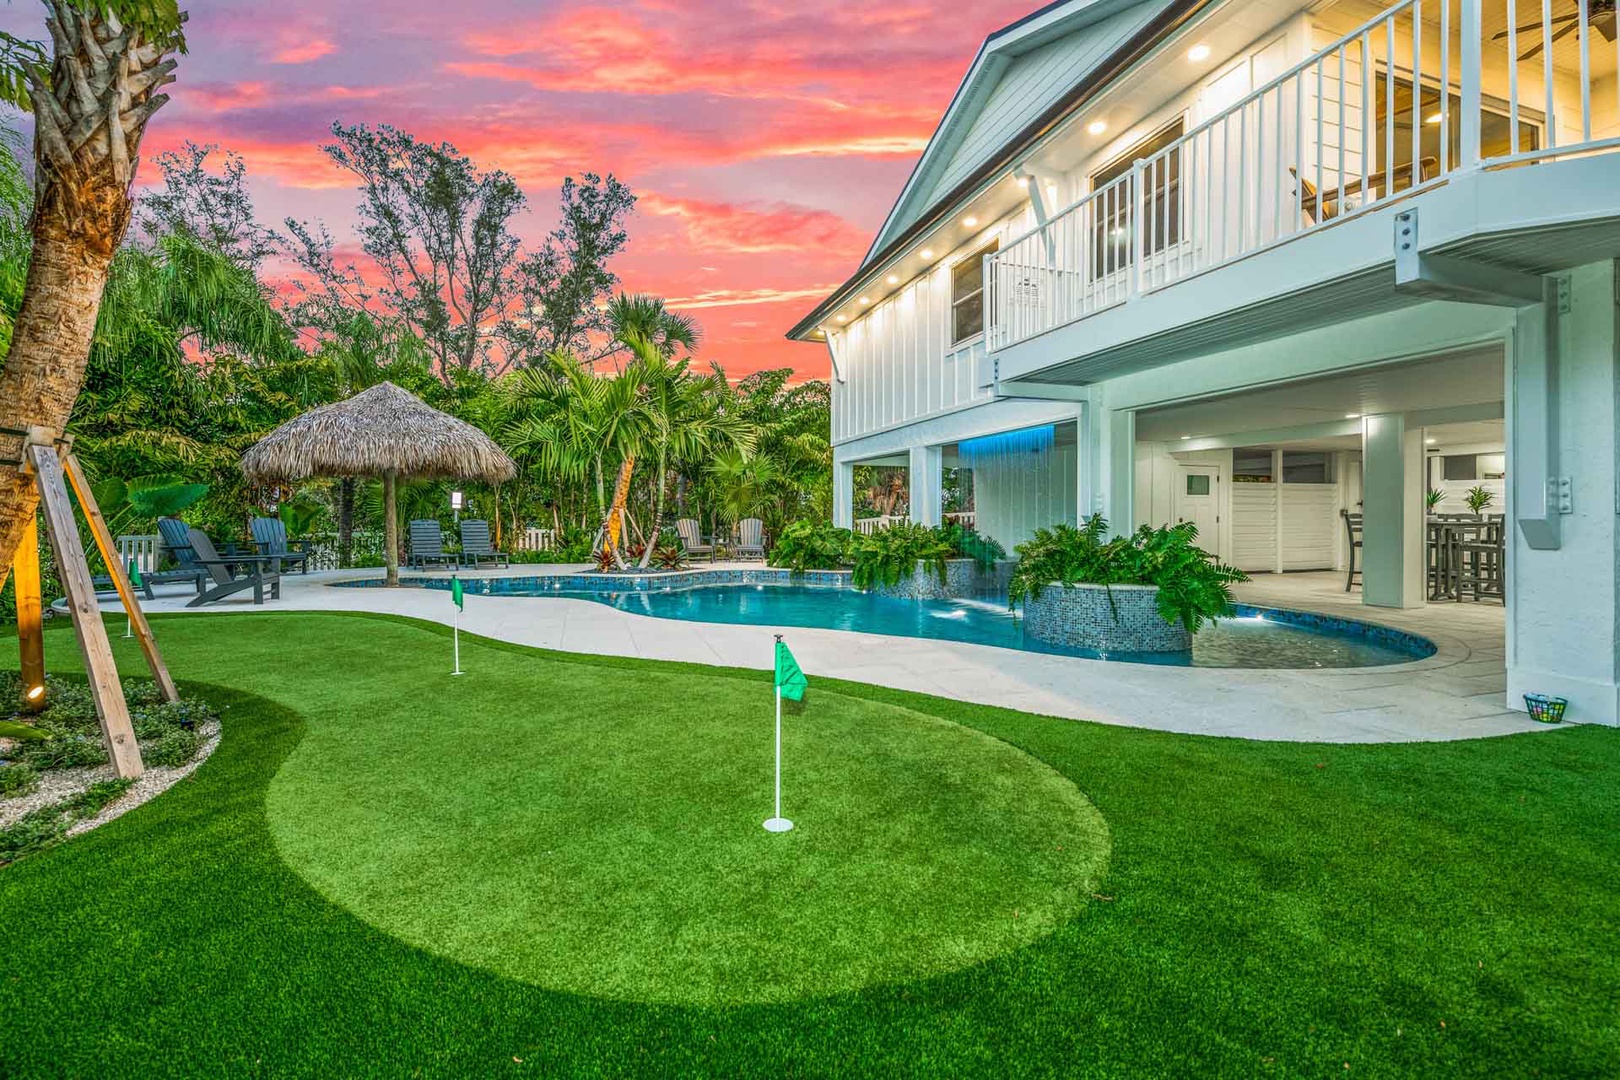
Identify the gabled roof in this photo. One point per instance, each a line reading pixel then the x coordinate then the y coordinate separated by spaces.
pixel 1025 78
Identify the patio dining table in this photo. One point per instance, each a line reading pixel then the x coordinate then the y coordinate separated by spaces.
pixel 1465 557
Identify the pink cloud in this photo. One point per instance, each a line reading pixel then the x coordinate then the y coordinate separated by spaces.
pixel 303 52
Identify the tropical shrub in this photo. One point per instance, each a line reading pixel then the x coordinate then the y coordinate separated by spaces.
pixel 1193 585
pixel 1478 499
pixel 811 545
pixel 669 553
pixel 969 544
pixel 890 556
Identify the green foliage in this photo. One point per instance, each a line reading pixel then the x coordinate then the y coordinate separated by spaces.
pixel 1433 498
pixel 811 545
pixel 669 553
pixel 301 517
pixel 890 556
pixel 1478 499
pixel 67 735
pixel 17 778
pixel 174 747
pixel 1193 585
pixel 966 542
pixel 39 829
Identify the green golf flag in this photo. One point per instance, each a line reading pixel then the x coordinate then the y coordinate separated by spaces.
pixel 455 593
pixel 789 679
pixel 135 574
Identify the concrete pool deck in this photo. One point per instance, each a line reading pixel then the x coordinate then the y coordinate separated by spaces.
pixel 1459 693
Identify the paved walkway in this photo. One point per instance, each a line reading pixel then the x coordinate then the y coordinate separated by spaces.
pixel 1458 693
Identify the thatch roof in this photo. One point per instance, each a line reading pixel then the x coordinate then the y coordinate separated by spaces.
pixel 380 430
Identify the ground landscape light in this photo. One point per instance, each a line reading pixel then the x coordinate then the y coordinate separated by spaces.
pixel 36 693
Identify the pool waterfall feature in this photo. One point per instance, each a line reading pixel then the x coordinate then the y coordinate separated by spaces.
pixel 823 599
pixel 1022 480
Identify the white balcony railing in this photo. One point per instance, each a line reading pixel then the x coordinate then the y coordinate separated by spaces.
pixel 1333 136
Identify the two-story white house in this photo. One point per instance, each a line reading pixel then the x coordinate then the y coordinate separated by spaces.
pixel 1254 262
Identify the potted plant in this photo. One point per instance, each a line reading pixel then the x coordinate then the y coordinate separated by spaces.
pixel 1433 499
pixel 1478 499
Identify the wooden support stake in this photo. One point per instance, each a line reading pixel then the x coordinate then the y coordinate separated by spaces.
pixel 30 619
pixel 120 578
pixel 105 689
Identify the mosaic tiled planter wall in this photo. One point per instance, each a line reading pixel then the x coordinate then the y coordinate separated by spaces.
pixel 962 578
pixel 1082 616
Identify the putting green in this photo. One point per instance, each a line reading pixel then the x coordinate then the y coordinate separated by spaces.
pixel 620 854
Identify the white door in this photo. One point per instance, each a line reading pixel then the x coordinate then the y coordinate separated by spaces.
pixel 1198 500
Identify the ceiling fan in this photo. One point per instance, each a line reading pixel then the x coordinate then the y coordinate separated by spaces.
pixel 1600 15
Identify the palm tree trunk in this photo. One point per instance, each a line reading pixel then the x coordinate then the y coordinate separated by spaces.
pixel 658 505
pixel 390 531
pixel 613 527
pixel 87 129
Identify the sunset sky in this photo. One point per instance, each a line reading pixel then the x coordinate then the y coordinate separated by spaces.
pixel 765 141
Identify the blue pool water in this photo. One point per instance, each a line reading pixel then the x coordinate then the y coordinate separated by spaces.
pixel 1257 638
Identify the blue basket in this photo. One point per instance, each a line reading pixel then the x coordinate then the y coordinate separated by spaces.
pixel 1547 709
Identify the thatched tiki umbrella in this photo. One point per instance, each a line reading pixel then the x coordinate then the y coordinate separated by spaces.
pixel 382 431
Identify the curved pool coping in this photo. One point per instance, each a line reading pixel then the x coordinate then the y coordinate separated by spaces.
pixel 535 586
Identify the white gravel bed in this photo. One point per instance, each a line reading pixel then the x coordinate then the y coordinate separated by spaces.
pixel 58 784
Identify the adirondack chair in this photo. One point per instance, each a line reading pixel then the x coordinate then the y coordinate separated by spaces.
pixel 270 538
pixel 427 544
pixel 750 538
pixel 476 546
pixel 692 538
pixel 234 574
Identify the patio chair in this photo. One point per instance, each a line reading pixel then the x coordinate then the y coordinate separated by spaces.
pixel 1352 535
pixel 750 538
pixel 235 574
pixel 427 544
pixel 270 538
pixel 692 538
pixel 475 545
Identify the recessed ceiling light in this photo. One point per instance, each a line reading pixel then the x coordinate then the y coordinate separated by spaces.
pixel 1352 416
pixel 866 300
pixel 1433 118
pixel 1186 436
pixel 1021 181
pixel 843 318
pixel 1198 53
pixel 927 253
pixel 1431 441
pixel 970 221
pixel 1097 127
pixel 820 332
pixel 893 279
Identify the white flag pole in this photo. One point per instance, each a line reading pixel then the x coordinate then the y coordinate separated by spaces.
pixel 456 634
pixel 778 823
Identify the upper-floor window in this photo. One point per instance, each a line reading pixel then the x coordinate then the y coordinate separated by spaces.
pixel 1111 235
pixel 1392 132
pixel 967 295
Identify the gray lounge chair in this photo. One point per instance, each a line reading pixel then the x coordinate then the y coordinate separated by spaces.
pixel 476 546
pixel 692 538
pixel 750 538
pixel 234 574
pixel 270 538
pixel 427 544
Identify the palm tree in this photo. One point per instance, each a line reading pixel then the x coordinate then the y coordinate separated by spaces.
pixel 91 107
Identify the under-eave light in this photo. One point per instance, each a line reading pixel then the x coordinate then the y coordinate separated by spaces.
pixel 1097 127
pixel 843 318
pixel 1352 416
pixel 1198 53
pixel 926 253
pixel 970 222
pixel 1430 442
pixel 893 279
pixel 1021 181
pixel 865 300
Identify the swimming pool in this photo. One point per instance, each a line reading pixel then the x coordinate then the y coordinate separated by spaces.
pixel 1256 638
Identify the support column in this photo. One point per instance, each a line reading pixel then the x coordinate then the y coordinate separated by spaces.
pixel 924 483
pixel 1563 409
pixel 843 507
pixel 1393 572
pixel 1118 468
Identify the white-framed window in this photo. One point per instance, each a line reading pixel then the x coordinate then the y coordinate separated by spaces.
pixel 1111 239
pixel 967 295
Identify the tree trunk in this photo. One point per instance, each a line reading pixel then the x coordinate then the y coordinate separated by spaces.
pixel 614 525
pixel 660 483
pixel 346 522
pixel 390 531
pixel 87 130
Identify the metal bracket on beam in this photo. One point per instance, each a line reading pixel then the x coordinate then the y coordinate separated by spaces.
pixel 1444 277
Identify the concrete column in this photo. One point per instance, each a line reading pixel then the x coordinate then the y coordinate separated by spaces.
pixel 1393 572
pixel 843 507
pixel 1117 438
pixel 1563 409
pixel 924 483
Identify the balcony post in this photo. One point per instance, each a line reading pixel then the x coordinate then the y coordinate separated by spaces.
pixel 1137 280
pixel 1473 45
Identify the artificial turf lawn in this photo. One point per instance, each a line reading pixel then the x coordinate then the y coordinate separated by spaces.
pixel 604 837
pixel 1272 909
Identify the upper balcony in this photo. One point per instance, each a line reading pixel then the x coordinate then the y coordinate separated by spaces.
pixel 1414 98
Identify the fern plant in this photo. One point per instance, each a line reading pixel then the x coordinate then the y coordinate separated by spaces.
pixel 969 544
pixel 889 556
pixel 1193 585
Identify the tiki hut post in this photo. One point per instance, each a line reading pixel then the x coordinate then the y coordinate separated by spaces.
pixel 384 432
